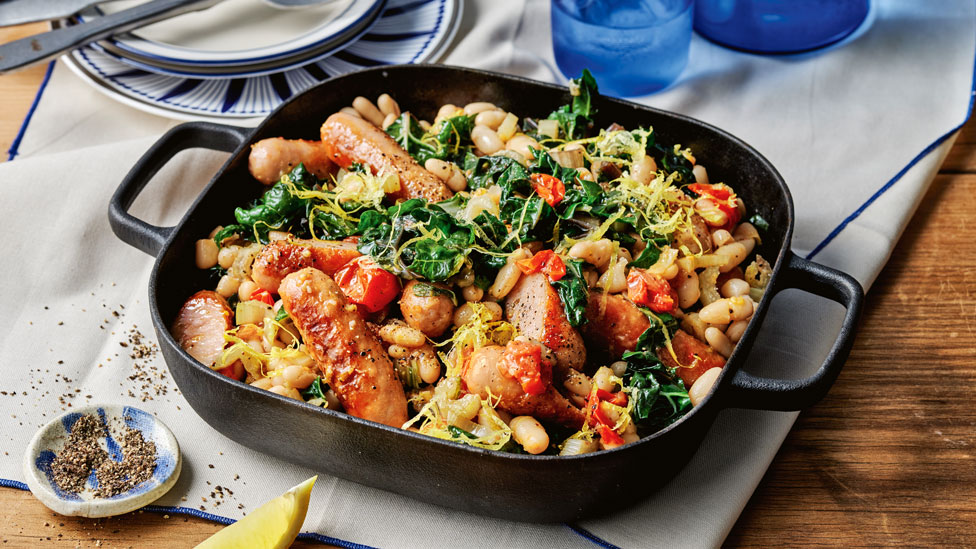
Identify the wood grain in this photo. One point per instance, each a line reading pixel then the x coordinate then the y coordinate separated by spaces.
pixel 887 458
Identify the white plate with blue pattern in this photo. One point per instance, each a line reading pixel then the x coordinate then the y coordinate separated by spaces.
pixel 50 440
pixel 408 31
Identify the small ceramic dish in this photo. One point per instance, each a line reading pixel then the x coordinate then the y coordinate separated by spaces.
pixel 51 439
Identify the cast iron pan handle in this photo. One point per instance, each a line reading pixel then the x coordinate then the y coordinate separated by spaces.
pixel 749 391
pixel 136 232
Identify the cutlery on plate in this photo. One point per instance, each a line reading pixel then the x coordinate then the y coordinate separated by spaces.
pixel 35 49
pixel 18 12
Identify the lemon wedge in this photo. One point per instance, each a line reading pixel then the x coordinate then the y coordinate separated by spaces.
pixel 273 525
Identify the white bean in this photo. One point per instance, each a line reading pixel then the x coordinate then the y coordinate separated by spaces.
pixel 486 140
pixel 457 182
pixel 427 366
pixel 740 308
pixel 594 252
pixel 508 276
pixel 491 119
pixel 474 293
pixel 368 110
pixel 479 107
pixel 263 383
pixel 717 312
pixel 388 120
pixel 701 175
pixel 397 351
pixel 736 253
pixel 703 385
pixel 530 434
pixel 246 290
pixel 708 209
pixel 734 287
pixel 446 111
pixel 523 145
pixel 289 392
pixel 578 383
pixel 297 376
pixel 745 231
pixel 227 255
pixel 206 253
pixel 721 237
pixel 399 333
pixel 227 286
pixel 644 170
pixel 736 329
pixel 602 379
pixel 350 111
pixel 748 243
pixel 614 279
pixel 718 340
pixel 619 368
pixel 687 288
pixel 440 168
pixel 388 105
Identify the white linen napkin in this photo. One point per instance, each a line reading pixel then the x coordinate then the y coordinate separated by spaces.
pixel 840 124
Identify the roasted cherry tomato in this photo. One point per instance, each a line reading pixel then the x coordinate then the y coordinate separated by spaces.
pixel 523 361
pixel 550 188
pixel 264 296
pixel 599 419
pixel 367 284
pixel 651 290
pixel 723 196
pixel 233 371
pixel 545 261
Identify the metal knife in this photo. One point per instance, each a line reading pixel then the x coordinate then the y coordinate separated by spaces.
pixel 18 12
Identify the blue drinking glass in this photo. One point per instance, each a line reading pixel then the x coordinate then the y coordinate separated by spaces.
pixel 778 26
pixel 632 47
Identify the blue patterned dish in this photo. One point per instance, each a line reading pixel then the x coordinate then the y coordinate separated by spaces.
pixel 408 31
pixel 50 440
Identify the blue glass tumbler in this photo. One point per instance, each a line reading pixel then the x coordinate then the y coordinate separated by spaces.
pixel 632 47
pixel 778 26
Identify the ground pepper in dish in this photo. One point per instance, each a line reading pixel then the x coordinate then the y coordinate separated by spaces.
pixel 83 453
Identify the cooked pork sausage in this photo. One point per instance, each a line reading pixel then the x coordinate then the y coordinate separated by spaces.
pixel 350 140
pixel 534 307
pixel 482 374
pixel 200 325
pixel 694 357
pixel 273 157
pixel 697 238
pixel 613 324
pixel 282 257
pixel 431 314
pixel 347 354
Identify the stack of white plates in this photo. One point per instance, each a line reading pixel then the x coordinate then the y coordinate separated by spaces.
pixel 240 59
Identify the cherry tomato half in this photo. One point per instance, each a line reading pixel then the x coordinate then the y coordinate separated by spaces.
pixel 523 361
pixel 264 296
pixel 367 284
pixel 545 261
pixel 651 290
pixel 550 188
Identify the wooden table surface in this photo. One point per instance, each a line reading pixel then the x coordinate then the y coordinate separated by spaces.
pixel 887 458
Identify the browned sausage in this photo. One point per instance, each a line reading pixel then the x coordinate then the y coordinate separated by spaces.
pixel 613 324
pixel 431 314
pixel 697 237
pixel 200 325
pixel 352 140
pixel 273 157
pixel 694 357
pixel 534 307
pixel 281 257
pixel 482 374
pixel 346 352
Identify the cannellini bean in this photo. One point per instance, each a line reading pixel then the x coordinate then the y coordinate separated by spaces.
pixel 495 309
pixel 665 265
pixel 289 392
pixel 446 111
pixel 457 182
pixel 227 255
pixel 717 312
pixel 614 279
pixel 630 433
pixel 644 170
pixel 350 111
pixel 740 205
pixel 427 365
pixel 465 278
pixel 514 156
pixel 578 383
pixel 703 385
pixel 297 376
pixel 474 293
pixel 721 237
pixel 745 231
pixel 246 289
pixel 740 307
pixel 594 252
pixel 279 235
pixel 464 313
pixel 736 329
pixel 734 287
pixel 701 175
pixel 530 434
pixel 486 140
pixel 491 119
pixel 718 340
pixel 263 383
pixel 736 253
pixel 748 243
pixel 479 107
pixel 399 333
pixel 508 276
pixel 585 174
pixel 602 379
pixel 206 253
pixel 227 286
pixel 708 209
pixel 619 368
pixel 388 105
pixel 440 168
pixel 388 120
pixel 397 351
pixel 523 145
pixel 368 110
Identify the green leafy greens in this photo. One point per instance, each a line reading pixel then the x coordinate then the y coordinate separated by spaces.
pixel 659 396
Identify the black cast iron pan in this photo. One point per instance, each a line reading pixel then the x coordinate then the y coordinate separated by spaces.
pixel 518 487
